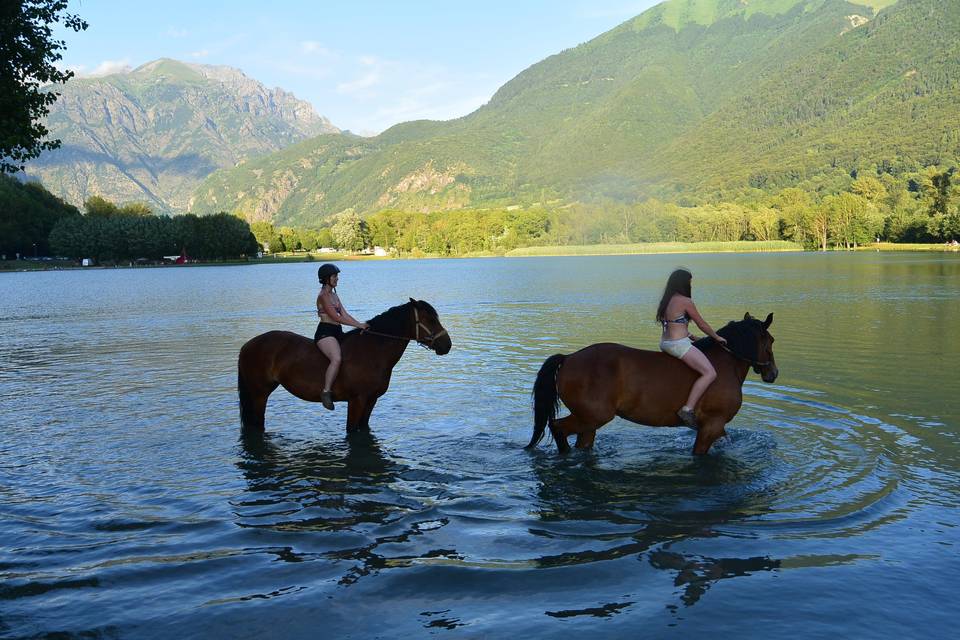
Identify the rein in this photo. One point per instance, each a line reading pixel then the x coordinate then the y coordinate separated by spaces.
pixel 755 363
pixel 428 338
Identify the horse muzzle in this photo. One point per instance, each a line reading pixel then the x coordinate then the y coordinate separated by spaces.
pixel 442 345
pixel 769 374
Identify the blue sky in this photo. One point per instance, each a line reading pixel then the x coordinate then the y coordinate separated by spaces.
pixel 366 65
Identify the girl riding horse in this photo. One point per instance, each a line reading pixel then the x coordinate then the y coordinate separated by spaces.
pixel 675 312
pixel 329 332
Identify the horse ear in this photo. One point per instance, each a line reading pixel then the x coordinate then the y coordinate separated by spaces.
pixel 768 321
pixel 413 301
pixel 746 316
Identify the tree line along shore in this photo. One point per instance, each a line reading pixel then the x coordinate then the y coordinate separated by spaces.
pixel 882 212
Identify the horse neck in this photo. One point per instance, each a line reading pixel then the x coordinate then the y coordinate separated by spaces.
pixel 724 360
pixel 388 350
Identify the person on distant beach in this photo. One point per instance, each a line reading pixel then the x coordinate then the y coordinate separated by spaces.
pixel 675 312
pixel 329 332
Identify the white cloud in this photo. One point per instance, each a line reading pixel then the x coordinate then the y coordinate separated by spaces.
pixel 365 81
pixel 311 47
pixel 202 53
pixel 173 32
pixel 105 68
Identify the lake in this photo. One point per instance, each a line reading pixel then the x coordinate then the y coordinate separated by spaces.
pixel 130 507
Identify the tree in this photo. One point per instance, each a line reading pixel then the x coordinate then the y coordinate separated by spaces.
pixel 942 192
pixel 28 213
pixel 290 238
pixel 27 56
pixel 349 231
pixel 307 239
pixel 96 206
pixel 799 219
pixel 869 188
pixel 141 209
pixel 324 238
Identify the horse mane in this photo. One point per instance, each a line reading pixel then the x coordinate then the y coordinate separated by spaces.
pixel 741 338
pixel 393 321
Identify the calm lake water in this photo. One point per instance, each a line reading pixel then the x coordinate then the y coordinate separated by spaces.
pixel 129 507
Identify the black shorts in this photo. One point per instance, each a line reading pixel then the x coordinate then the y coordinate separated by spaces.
pixel 326 330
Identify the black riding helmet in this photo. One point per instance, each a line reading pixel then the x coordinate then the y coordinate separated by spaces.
pixel 326 271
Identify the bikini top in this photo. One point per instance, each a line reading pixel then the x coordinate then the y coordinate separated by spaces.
pixel 680 320
pixel 336 308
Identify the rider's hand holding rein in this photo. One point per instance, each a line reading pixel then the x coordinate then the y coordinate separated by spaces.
pixel 330 310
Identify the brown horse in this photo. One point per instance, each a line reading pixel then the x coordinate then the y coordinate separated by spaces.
pixel 647 387
pixel 284 358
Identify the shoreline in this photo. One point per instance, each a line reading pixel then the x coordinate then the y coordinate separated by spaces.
pixel 554 251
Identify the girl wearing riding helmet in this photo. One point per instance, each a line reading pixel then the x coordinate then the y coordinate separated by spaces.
pixel 675 312
pixel 329 332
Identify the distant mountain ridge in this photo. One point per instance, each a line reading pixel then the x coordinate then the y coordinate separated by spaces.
pixel 693 100
pixel 153 133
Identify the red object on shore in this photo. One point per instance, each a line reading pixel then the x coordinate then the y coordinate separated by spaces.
pixel 183 257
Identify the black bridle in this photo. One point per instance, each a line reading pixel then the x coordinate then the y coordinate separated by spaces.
pixel 755 363
pixel 428 338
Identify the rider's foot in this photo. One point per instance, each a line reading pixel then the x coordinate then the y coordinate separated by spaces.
pixel 688 418
pixel 327 399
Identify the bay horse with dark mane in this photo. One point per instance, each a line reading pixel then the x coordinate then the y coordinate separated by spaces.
pixel 369 355
pixel 606 380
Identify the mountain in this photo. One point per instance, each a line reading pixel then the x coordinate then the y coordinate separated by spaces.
pixel 153 133
pixel 691 101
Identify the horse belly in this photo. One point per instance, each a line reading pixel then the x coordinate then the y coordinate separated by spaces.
pixel 652 394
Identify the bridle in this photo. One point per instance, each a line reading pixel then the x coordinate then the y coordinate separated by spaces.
pixel 428 336
pixel 755 363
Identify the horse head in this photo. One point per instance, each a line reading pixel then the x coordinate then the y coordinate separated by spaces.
pixel 427 329
pixel 750 340
pixel 763 363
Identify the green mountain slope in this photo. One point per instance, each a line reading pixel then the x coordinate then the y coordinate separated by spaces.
pixel 154 133
pixel 694 100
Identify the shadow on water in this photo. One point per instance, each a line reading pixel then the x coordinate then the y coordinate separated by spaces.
pixel 315 485
pixel 669 504
pixel 341 493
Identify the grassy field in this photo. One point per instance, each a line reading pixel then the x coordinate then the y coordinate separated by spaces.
pixel 892 246
pixel 570 250
pixel 655 247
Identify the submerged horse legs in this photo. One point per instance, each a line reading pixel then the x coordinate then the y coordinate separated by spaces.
pixel 711 429
pixel 359 409
pixel 253 405
pixel 563 428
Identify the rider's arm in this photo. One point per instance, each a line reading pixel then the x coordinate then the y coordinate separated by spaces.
pixel 691 310
pixel 346 318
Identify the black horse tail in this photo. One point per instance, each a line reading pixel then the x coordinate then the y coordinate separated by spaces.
pixel 546 399
pixel 248 417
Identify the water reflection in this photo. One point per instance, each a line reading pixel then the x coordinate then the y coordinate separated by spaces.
pixel 665 502
pixel 315 485
pixel 342 490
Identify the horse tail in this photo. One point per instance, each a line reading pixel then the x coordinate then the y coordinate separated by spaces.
pixel 546 398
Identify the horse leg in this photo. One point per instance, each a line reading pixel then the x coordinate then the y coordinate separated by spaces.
pixel 356 410
pixel 585 439
pixel 253 403
pixel 711 428
pixel 365 418
pixel 573 424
